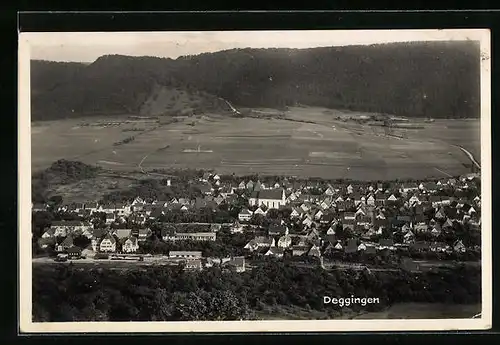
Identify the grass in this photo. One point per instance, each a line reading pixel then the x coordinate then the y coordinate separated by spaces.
pixel 326 148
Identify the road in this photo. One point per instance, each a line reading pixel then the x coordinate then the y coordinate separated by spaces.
pixel 471 157
pixel 165 261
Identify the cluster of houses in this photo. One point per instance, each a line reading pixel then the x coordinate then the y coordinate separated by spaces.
pixel 194 260
pixel 372 217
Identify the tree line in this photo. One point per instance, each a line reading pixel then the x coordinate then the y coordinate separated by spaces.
pixel 65 293
pixel 419 79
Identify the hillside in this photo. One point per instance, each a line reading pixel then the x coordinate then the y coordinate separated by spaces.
pixel 439 80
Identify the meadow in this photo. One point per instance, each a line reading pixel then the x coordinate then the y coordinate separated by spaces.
pixel 307 142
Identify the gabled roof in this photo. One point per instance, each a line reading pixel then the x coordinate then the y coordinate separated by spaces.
pixel 68 241
pixel 279 229
pixel 74 249
pixel 276 250
pixel 123 233
pixel 238 261
pixel 270 194
pixel 109 237
pixel 132 239
pixel 245 211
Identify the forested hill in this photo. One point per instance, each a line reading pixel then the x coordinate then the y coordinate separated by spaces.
pixel 438 79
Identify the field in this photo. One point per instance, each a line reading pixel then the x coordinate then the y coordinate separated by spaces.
pixel 307 142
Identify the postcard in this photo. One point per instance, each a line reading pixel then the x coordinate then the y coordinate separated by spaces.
pixel 254 181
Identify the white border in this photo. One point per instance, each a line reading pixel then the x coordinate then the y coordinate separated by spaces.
pixel 24 194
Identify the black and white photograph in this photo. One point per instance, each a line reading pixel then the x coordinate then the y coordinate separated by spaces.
pixel 267 181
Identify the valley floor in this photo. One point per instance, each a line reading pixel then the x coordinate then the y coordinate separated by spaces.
pixel 304 142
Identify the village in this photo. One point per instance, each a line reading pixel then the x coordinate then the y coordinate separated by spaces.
pixel 391 224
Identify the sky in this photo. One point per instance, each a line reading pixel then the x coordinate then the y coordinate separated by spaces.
pixel 87 47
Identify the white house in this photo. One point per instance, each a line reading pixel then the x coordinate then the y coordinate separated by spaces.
pixel 130 245
pixel 108 244
pixel 285 241
pixel 245 215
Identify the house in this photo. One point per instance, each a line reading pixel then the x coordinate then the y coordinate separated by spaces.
pixel 236 228
pixel 459 247
pixel 275 251
pixel 121 209
pixel 333 247
pixel 138 201
pixel 367 247
pixel 278 230
pixel 447 225
pixel 215 227
pixel 74 252
pixel 350 189
pixel 440 247
pixel 97 235
pixel 260 242
pixel 386 244
pixel 314 251
pixel 249 186
pixel 205 188
pixel 296 213
pixel 348 226
pixel 392 199
pixel 260 211
pixel 193 264
pixel 414 200
pixel 325 204
pixel 122 233
pixel 420 227
pixel 88 252
pixel 331 230
pixel 245 215
pixel 307 222
pixel 299 250
pixel 45 243
pixel 39 207
pixel 49 233
pixel 130 245
pixel 284 241
pixel 65 244
pixel 271 198
pixel 110 217
pixel 436 229
pixel 65 227
pixel 167 235
pixel 304 207
pixel 329 191
pixel 184 254
pixel 408 187
pixel 318 215
pixel 108 243
pixel 92 207
pixel 409 237
pixel 237 264
pixel 144 234
pixel 349 216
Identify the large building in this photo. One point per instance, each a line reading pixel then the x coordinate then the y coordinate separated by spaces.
pixel 271 198
pixel 193 236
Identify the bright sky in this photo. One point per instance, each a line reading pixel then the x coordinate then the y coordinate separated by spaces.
pixel 87 47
